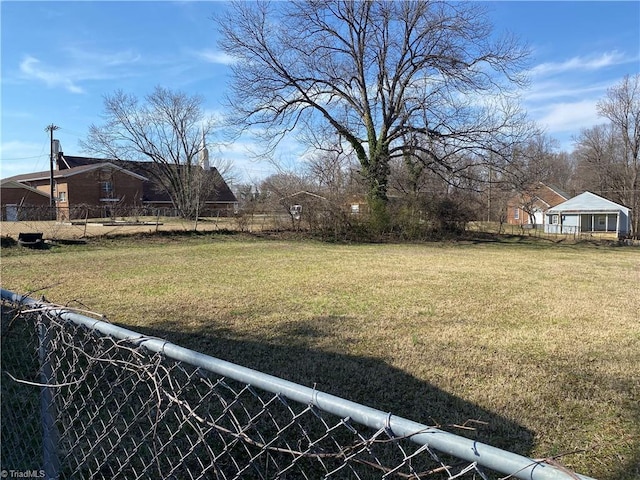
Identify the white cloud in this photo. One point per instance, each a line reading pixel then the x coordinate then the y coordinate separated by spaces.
pixel 78 66
pixel 563 96
pixel 569 116
pixel 215 56
pixel 102 59
pixel 578 63
pixel 543 91
pixel 32 68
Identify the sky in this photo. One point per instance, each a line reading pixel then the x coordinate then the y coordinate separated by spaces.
pixel 59 60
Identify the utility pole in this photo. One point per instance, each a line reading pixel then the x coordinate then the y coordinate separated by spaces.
pixel 489 199
pixel 51 128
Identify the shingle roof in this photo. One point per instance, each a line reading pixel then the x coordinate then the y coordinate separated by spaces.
pixel 69 165
pixel 587 202
pixel 9 183
pixel 68 172
pixel 548 193
pixel 152 193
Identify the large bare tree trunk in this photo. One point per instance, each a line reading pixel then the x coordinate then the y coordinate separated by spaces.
pixel 376 73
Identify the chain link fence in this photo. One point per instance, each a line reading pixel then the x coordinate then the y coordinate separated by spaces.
pixel 83 398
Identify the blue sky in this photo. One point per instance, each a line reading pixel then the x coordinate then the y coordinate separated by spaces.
pixel 58 60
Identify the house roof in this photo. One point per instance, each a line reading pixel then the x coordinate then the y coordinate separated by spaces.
pixel 28 177
pixel 588 202
pixel 548 193
pixel 540 194
pixel 69 172
pixel 13 184
pixel 304 192
pixel 152 193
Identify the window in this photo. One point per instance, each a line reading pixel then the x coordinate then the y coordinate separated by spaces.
pixel 62 196
pixel 355 208
pixel 516 213
pixel 106 187
pixel 554 219
pixel 295 211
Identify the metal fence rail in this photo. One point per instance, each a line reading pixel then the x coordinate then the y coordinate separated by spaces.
pixel 83 398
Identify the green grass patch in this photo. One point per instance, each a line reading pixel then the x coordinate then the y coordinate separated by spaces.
pixel 540 341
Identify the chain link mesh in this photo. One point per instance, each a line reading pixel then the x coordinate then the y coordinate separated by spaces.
pixel 82 404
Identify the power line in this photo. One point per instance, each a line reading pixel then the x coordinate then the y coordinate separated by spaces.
pixel 26 158
pixel 72 132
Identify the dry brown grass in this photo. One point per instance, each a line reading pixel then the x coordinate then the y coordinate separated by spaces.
pixel 540 341
pixel 53 230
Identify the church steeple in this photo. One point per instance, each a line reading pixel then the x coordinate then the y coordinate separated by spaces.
pixel 203 155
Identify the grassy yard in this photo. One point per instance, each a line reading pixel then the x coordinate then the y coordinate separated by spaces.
pixel 541 341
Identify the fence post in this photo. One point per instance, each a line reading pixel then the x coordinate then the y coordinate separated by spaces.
pixel 51 462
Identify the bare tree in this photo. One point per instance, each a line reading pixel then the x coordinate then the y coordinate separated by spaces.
pixel 597 169
pixel 533 163
pixel 331 170
pixel 165 133
pixel 376 72
pixel 249 202
pixel 562 170
pixel 280 192
pixel 622 107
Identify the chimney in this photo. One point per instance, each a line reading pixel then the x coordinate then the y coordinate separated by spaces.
pixel 203 155
pixel 55 150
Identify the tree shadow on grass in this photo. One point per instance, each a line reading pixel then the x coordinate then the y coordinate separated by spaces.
pixel 291 354
pixel 630 461
pixel 305 352
pixel 618 458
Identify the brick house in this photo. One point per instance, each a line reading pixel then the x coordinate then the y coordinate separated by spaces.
pixel 93 187
pixel 528 207
pixel 22 202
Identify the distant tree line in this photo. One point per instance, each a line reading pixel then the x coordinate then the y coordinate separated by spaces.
pixel 423 203
pixel 410 110
pixel 411 106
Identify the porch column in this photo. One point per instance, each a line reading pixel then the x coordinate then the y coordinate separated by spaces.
pixel 579 224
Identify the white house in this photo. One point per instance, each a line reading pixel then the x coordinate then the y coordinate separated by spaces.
pixel 588 213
